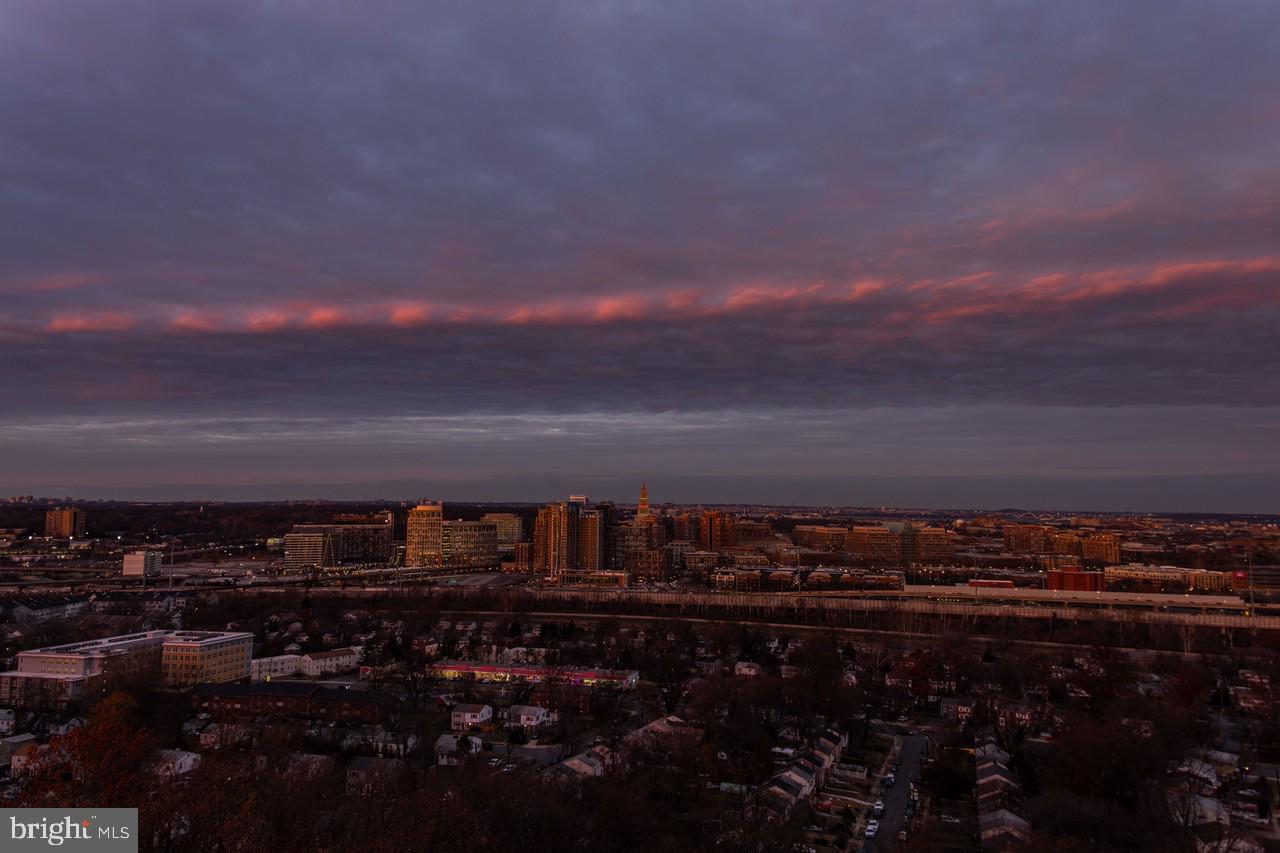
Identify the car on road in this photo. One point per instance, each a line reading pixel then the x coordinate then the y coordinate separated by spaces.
pixel 946 818
pixel 873 829
pixel 878 808
pixel 890 780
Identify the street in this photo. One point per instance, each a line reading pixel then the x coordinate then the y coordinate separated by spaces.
pixel 896 798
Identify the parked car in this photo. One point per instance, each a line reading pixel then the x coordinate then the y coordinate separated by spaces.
pixel 878 808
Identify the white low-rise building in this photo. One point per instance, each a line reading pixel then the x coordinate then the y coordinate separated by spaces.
pixel 330 662
pixel 279 666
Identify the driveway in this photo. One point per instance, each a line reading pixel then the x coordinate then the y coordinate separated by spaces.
pixel 896 798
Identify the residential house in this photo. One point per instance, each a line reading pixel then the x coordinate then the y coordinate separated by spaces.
pixel 1002 831
pixel 528 717
pixel 959 708
pixel 453 750
pixel 169 764
pixel 469 716
pixel 39 608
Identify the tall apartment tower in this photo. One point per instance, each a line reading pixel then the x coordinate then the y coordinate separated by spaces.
pixel 642 508
pixel 424 545
pixel 610 536
pixel 591 541
pixel 717 530
pixel 555 540
pixel 65 522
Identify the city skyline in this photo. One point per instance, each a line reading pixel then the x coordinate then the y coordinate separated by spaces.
pixel 918 256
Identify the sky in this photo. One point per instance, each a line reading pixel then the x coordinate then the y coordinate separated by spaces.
pixel 953 253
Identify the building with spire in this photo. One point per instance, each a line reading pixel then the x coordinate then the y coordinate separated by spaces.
pixel 642 509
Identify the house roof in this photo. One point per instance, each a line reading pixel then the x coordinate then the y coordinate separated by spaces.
pixel 257 688
pixel 283 689
pixel 331 653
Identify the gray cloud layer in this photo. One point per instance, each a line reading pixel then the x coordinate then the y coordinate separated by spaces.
pixel 251 216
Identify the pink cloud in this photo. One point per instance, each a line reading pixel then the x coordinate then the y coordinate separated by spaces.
pixel 325 318
pixel 927 301
pixel 106 321
pixel 409 315
pixel 193 321
pixel 626 307
pixel 266 320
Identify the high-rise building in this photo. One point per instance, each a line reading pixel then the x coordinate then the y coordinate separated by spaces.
pixel 591 541
pixel 1101 547
pixel 1028 538
pixel 936 545
pixel 717 530
pixel 510 529
pixel 423 535
pixel 686 526
pixel 55 675
pixel 929 545
pixel 522 557
pixel 65 522
pixel 205 657
pixel 1066 543
pixel 642 508
pixel 555 540
pixel 357 540
pixel 875 544
pixel 610 536
pixel 306 551
pixel 141 564
pixel 821 537
pixel 469 544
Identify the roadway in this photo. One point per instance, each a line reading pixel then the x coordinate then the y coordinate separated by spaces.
pixel 896 798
